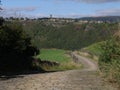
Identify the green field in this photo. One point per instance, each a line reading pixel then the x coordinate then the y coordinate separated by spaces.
pixel 54 55
pixel 60 56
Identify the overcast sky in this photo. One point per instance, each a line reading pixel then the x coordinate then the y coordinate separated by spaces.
pixel 60 8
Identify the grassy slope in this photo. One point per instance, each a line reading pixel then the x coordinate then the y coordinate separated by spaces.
pixel 94 48
pixel 93 51
pixel 57 55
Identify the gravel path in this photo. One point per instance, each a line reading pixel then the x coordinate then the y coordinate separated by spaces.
pixel 86 79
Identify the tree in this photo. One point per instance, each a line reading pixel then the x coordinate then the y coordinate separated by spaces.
pixel 1 21
pixel 16 50
pixel 0 4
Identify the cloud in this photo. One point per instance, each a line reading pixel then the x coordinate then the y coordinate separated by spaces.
pixel 98 1
pixel 17 11
pixel 109 12
pixel 93 1
pixel 40 15
pixel 102 12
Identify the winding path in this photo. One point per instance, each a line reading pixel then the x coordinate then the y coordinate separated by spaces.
pixel 89 65
pixel 86 79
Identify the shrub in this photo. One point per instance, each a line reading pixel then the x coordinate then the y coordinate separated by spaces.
pixel 109 61
pixel 16 50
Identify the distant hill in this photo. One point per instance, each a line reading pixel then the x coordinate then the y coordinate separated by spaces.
pixel 102 18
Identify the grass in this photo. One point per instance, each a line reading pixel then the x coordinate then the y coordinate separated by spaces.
pixel 54 55
pixel 93 51
pixel 60 56
pixel 95 48
pixel 63 66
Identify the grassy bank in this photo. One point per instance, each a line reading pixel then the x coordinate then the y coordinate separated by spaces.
pixel 93 51
pixel 94 48
pixel 108 58
pixel 60 56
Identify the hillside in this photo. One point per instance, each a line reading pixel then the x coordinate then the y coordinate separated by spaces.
pixel 102 18
pixel 70 35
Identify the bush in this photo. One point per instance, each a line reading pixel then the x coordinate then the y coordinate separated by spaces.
pixel 16 50
pixel 109 61
pixel 1 21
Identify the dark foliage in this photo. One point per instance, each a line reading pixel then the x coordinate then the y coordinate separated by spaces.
pixel 16 50
pixel 1 21
pixel 109 61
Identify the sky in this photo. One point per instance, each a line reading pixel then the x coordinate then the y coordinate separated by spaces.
pixel 60 8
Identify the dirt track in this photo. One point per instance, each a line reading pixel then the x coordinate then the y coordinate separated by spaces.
pixel 89 65
pixel 86 79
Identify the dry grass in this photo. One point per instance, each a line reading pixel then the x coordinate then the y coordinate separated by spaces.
pixel 64 66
